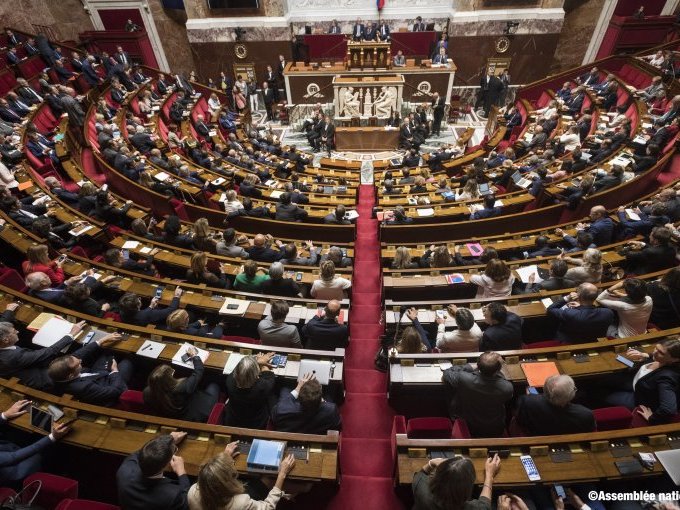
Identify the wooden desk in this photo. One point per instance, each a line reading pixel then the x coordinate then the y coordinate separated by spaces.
pixel 366 138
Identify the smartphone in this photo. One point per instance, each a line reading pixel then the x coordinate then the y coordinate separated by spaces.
pixel 159 292
pixel 124 336
pixel 61 258
pixel 105 187
pixel 279 360
pixel 41 419
pixel 298 277
pixel 185 357
pixel 530 468
pixel 126 254
pixel 559 490
pixel 625 361
pixel 532 391
pixel 232 307
pixel 88 338
pixel 57 414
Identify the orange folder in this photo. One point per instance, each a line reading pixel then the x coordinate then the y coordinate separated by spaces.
pixel 538 372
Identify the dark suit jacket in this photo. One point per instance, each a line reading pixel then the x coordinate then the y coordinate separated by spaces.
pixel 289 212
pixel 602 231
pixel 104 388
pixel 287 416
pixel 538 417
pixel 11 458
pixel 148 316
pixel 361 32
pixel 264 254
pixel 135 492
pixel 582 324
pixel 143 142
pixel 485 213
pixel 658 390
pixel 478 399
pixel 202 129
pixel 503 337
pixel 325 335
pixel 249 407
pixel 651 259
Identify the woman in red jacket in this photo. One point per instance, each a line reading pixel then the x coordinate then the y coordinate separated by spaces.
pixel 39 261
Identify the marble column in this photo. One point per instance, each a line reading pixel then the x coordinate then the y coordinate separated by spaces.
pixel 600 30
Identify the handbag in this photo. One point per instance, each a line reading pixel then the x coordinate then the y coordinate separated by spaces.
pixel 24 499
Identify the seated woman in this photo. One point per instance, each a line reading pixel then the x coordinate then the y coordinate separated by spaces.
pixel 180 398
pixel 419 185
pixel 402 259
pixel 438 256
pixel 179 321
pixel 629 299
pixel 249 280
pixel 202 238
pixel 145 103
pixel 248 188
pixel 413 338
pixel 329 286
pixel 589 268
pixel 174 141
pixel 39 262
pixel 77 297
pixel 214 107
pixel 116 258
pixel 218 486
pixel 465 338
pixel 250 388
pixel 665 294
pixel 496 281
pixel 231 204
pixel 469 192
pixel 199 273
pixel 652 384
pixel 448 484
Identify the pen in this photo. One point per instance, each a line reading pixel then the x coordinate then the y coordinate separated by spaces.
pixel 148 346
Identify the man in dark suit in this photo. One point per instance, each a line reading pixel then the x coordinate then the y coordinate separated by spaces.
pixel 12 57
pixel 591 78
pixel 131 311
pixel 326 333
pixel 335 28
pixel 122 56
pixel 384 31
pixel 556 281
pixel 91 76
pixel 437 112
pixel 505 329
pixel 418 26
pixel 102 384
pixel 441 58
pixel 657 255
pixel 286 210
pixel 553 412
pixel 270 77
pixel 578 319
pixel 601 226
pixel 406 136
pixel 488 211
pixel 140 479
pixel 261 252
pixel 201 127
pixel 268 98
pixel 371 32
pixel 337 217
pixel 76 61
pixel 28 364
pixel 26 93
pixel 542 248
pixel 304 411
pixel 8 114
pixel 358 31
pixel 142 140
pixel 575 102
pixel 493 92
pixel 17 104
pixel 328 134
pixel 478 395
pixel 17 462
pixel 30 47
pixel 63 73
pixel 40 286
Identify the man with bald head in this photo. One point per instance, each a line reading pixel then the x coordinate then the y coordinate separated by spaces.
pixel 579 320
pixel 261 251
pixel 553 412
pixel 601 226
pixel 326 332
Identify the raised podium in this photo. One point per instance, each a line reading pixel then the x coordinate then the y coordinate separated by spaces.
pixel 371 54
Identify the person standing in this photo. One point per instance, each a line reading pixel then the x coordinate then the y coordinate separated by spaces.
pixel 438 113
pixel 268 97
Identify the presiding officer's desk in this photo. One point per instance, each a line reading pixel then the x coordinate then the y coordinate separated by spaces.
pixel 122 433
pixel 417 377
pixel 567 458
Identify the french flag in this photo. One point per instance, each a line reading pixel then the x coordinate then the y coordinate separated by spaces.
pixel 381 4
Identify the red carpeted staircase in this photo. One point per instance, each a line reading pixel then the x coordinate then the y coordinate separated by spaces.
pixel 365 460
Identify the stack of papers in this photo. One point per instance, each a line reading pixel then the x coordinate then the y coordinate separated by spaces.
pixel 233 306
pixel 295 314
pixel 80 230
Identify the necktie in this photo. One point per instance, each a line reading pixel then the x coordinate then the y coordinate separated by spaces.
pixel 122 55
pixel 358 29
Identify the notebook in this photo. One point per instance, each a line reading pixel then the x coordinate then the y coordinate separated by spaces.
pixel 454 278
pixel 265 456
pixel 536 373
pixel 670 460
pixel 52 331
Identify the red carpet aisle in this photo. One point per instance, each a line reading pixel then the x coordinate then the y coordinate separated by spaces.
pixel 365 463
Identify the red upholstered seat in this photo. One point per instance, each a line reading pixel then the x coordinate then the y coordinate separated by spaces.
pixel 612 418
pixel 132 401
pixel 12 279
pixel 6 492
pixel 54 489
pixel 241 339
pixel 215 417
pixel 429 428
pixel 544 343
pixel 460 429
pixel 639 421
pixel 179 209
pixel 85 504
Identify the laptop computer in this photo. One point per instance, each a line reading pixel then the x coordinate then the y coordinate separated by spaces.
pixel 519 180
pixel 484 189
pixel 670 460
pixel 320 369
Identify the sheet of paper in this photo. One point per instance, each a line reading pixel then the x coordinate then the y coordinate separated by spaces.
pixel 525 272
pixel 52 331
pixel 295 314
pixel 546 302
pixel 177 358
pixel 632 215
pixel 276 194
pixel 151 349
pixel 233 306
pixel 161 176
pixel 146 250
pixel 130 245
pixel 426 212
pixel 232 361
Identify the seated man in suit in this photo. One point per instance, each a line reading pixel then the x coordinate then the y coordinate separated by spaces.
pixel 505 329
pixel 89 73
pixel 337 217
pixel 143 141
pixel 657 255
pixel 28 364
pixel 325 333
pixel 274 331
pixel 304 411
pixel 40 286
pixel 479 394
pixel 418 26
pixel 579 320
pixel 371 32
pixel 130 306
pixel 441 57
pixel 18 463
pixel 261 250
pixel 102 384
pixel 335 28
pixel 384 31
pixel 488 211
pixel 286 210
pixel 12 57
pixel 553 412
pixel 556 281
pixel 601 226
pixel 542 248
pixel 141 482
